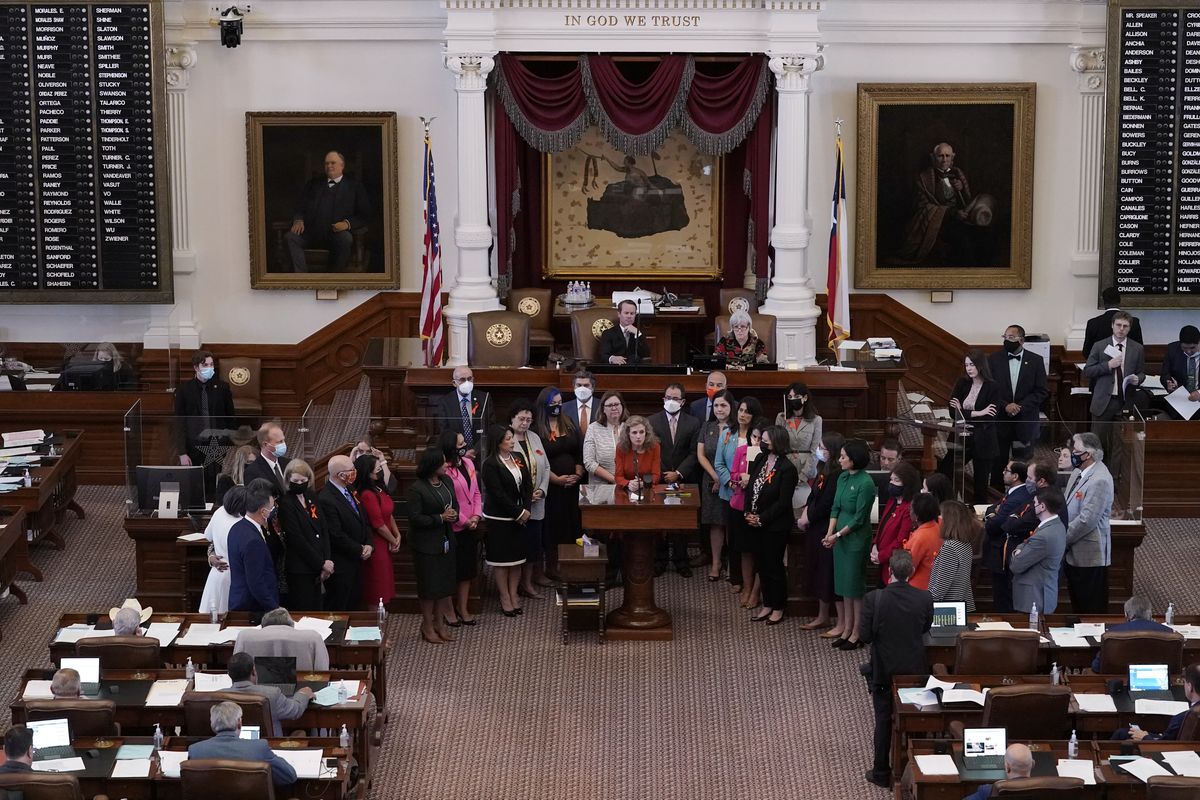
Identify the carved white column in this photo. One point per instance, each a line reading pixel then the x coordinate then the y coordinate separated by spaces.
pixel 791 298
pixel 1088 63
pixel 473 290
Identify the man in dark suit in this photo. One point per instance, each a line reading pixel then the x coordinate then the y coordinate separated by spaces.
pixel 345 526
pixel 584 409
pixel 204 409
pixel 330 209
pixel 1138 617
pixel 1099 326
pixel 465 411
pixel 1181 366
pixel 1035 564
pixel 1116 366
pixel 18 750
pixel 253 583
pixel 701 409
pixel 624 343
pixel 894 621
pixel 272 457
pixel 1021 378
pixel 677 435
pixel 1018 763
pixel 226 721
pixel 1191 690
pixel 1016 497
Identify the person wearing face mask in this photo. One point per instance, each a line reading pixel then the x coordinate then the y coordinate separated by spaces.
pixel 814 521
pixel 464 477
pixel 346 529
pixel 272 456
pixel 564 452
pixel 895 521
pixel 678 434
pixel 1017 496
pixel 701 408
pixel 975 399
pixel 203 409
pixel 253 585
pixel 803 424
pixel 849 535
pixel 584 409
pixel 1021 382
pixel 466 410
pixel 308 561
pixel 533 450
pixel 1089 536
pixel 745 581
pixel 1035 564
pixel 770 520
pixel 378 576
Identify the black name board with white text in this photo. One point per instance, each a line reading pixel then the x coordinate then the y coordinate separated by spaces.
pixel 83 184
pixel 1150 242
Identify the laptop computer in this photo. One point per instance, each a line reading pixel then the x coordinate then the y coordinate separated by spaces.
pixel 89 673
pixel 983 748
pixel 249 732
pixel 949 619
pixel 278 671
pixel 1149 682
pixel 51 739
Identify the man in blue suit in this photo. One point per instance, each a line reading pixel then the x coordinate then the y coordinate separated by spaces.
pixel 1018 763
pixel 1191 690
pixel 252 582
pixel 1138 617
pixel 226 721
pixel 1181 366
pixel 1016 497
pixel 1035 564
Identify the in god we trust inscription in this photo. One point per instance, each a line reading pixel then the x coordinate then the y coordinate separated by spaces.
pixel 631 20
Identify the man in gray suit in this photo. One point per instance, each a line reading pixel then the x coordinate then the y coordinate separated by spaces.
pixel 1035 564
pixel 1116 366
pixel 1089 537
pixel 241 672
pixel 226 721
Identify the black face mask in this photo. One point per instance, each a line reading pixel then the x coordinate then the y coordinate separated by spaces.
pixel 297 488
pixel 765 447
pixel 1011 347
pixel 795 405
pixel 894 490
pixel 462 451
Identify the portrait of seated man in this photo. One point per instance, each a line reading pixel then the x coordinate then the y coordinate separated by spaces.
pixel 950 226
pixel 328 213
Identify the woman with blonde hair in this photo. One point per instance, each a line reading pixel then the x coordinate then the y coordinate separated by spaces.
pixel 307 558
pixel 638 455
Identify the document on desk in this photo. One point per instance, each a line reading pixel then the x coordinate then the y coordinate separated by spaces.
pixel 327 696
pixel 165 632
pixel 321 626
pixel 917 696
pixel 1143 768
pixel 211 682
pixel 199 634
pixel 1185 763
pixel 230 633
pixel 1096 703
pixel 934 683
pixel 131 768
pixel 73 633
pixel 1077 768
pixel 1066 637
pixel 16 438
pixel 1179 401
pixel 37 690
pixel 937 765
pixel 167 692
pixel 993 626
pixel 370 633
pixel 1187 631
pixel 963 696
pixel 1165 708
pixel 9 452
pixel 169 761
pixel 1089 629
pixel 307 763
pixel 192 537
pixel 135 751
pixel 59 765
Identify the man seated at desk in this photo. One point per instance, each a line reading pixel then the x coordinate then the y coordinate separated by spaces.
pixel 283 708
pixel 18 750
pixel 1138 617
pixel 1181 365
pixel 1191 690
pixel 65 685
pixel 624 343
pixel 279 636
pixel 1018 763
pixel 741 347
pixel 226 721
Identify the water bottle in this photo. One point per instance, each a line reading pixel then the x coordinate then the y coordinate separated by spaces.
pixel 1170 614
pixel 158 737
pixel 1055 674
pixel 213 616
pixel 1073 746
pixel 344 738
pixel 27 479
pixel 189 669
pixel 1033 618
pixel 342 694
pixel 381 615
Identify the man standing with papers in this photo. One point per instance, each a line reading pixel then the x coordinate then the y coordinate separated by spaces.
pixel 1116 366
pixel 226 721
pixel 1191 690
pixel 1036 562
pixel 1018 763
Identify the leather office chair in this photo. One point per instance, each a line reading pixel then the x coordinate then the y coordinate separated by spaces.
pixel 1119 649
pixel 1026 711
pixel 43 786
pixel 762 324
pixel 587 326
pixel 538 305
pixel 122 652
pixel 197 706
pixel 1172 787
pixel 86 717
pixel 497 339
pixel 206 778
pixel 1189 731
pixel 731 300
pixel 244 376
pixel 1039 788
pixel 997 653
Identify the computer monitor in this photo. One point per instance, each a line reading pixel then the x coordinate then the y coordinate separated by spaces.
pixel 949 615
pixel 1149 678
pixel 88 668
pixel 983 748
pixel 49 733
pixel 151 479
pixel 249 732
pixel 86 376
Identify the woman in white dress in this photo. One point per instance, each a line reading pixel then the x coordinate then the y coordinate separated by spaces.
pixel 216 588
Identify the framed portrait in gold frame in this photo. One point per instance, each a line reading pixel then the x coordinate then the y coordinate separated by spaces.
pixel 608 214
pixel 945 186
pixel 349 236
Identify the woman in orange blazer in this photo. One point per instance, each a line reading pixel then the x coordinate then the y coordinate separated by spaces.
pixel 926 539
pixel 638 455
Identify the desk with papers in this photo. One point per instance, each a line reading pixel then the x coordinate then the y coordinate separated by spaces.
pixel 937 768
pixel 1124 777
pixel 13 550
pixel 52 492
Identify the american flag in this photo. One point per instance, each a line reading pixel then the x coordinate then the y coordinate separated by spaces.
pixel 431 262
pixel 837 283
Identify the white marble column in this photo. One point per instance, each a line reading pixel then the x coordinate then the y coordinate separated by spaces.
pixel 473 290
pixel 791 298
pixel 1088 63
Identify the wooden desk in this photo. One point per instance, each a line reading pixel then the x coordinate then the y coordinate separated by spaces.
pixel 13 551
pixel 1170 473
pixel 1120 785
pixel 639 524
pixel 667 332
pixel 954 787
pixel 1102 725
pixel 52 494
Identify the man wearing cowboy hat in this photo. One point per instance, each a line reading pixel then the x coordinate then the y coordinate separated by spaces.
pixel 128 618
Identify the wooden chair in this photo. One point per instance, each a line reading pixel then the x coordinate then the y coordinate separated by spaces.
pixel 244 376
pixel 86 717
pixel 537 304
pixel 198 705
pixel 587 326
pixel 43 786
pixel 498 339
pixel 762 324
pixel 1040 788
pixel 1119 649
pixel 122 652
pixel 731 300
pixel 206 778
pixel 1172 787
pixel 996 653
pixel 1027 711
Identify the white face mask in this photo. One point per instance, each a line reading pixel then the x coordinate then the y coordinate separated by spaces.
pixel 583 394
pixel 465 388
pixel 672 406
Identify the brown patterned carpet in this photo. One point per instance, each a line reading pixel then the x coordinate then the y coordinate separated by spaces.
pixel 728 710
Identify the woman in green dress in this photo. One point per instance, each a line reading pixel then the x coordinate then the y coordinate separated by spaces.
pixel 850 537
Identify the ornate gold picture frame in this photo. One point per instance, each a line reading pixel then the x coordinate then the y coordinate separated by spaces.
pixel 945 186
pixel 610 215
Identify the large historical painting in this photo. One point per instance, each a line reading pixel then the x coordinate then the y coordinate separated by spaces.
pixel 945 186
pixel 612 214
pixel 322 190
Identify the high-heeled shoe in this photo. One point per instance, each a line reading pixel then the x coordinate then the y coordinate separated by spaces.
pixel 849 645
pixel 837 643
pixel 519 611
pixel 761 617
pixel 776 621
pixel 508 613
pixel 456 623
pixel 472 621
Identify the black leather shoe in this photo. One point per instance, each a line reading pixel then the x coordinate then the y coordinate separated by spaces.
pixel 685 571
pixel 882 782
pixel 837 643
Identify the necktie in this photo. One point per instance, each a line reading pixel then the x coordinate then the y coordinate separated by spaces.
pixel 468 434
pixel 583 418
pixel 1118 389
pixel 1017 356
pixel 674 420
pixel 204 407
pixel 279 474
pixel 1191 374
pixel 630 347
pixel 333 184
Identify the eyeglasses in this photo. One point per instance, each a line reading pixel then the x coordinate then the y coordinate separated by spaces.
pixel 612 405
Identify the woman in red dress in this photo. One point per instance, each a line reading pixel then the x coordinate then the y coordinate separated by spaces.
pixel 379 583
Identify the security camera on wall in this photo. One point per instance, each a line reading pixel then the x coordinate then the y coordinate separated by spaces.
pixel 230 22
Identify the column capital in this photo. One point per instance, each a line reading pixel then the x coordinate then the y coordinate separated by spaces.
pixel 181 57
pixel 470 70
pixel 793 70
pixel 1089 63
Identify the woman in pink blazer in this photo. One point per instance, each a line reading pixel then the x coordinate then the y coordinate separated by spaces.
pixel 465 480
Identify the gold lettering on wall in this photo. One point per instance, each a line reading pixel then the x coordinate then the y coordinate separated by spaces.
pixel 626 21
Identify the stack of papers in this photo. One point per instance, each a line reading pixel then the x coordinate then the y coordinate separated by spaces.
pixel 13 452
pixel 167 692
pixel 192 537
pixel 993 626
pixel 366 634
pixel 37 690
pixel 200 634
pixel 307 763
pixel 1066 637
pixel 1186 763
pixel 324 627
pixel 1166 708
pixel 23 437
pixel 135 751
pixel 169 761
pixel 59 765
pixel 934 683
pixel 937 765
pixel 1188 631
pixel 327 696
pixel 1143 768
pixel 131 768
pixel 165 632
pixel 1096 703
pixel 1077 768
pixel 1094 629
pixel 73 633
pixel 918 696
pixel 230 633
pixel 210 682
pixel 963 696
